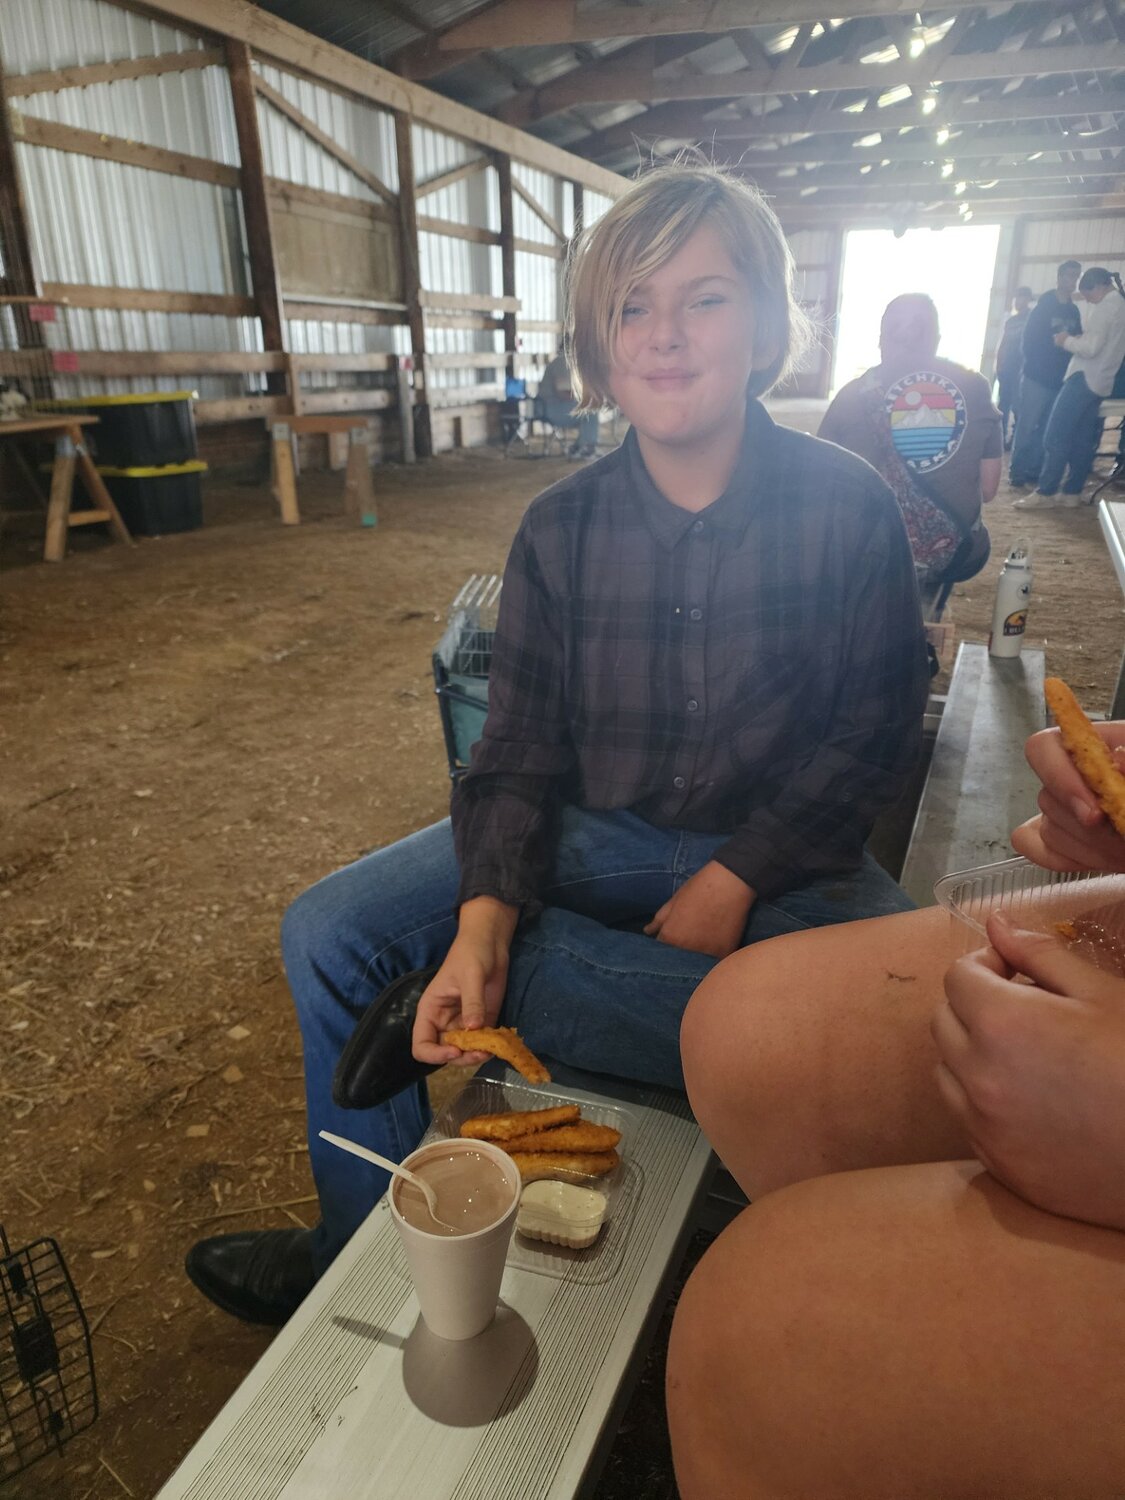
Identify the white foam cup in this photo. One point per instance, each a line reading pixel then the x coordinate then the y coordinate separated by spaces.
pixel 457 1277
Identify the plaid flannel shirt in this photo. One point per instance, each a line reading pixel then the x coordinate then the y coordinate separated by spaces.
pixel 756 669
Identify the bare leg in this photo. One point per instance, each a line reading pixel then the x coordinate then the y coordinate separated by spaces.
pixel 812 1053
pixel 913 1333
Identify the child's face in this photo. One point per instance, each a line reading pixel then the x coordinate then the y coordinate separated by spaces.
pixel 686 347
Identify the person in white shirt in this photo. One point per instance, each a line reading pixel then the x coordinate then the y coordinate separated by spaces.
pixel 1071 438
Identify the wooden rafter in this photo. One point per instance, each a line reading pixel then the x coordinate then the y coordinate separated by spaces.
pixel 1103 177
pixel 533 23
pixel 454 175
pixel 921 146
pixel 310 56
pixel 611 83
pixel 687 123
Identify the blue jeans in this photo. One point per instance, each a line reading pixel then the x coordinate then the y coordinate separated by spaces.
pixel 1071 439
pixel 580 990
pixel 562 415
pixel 1027 446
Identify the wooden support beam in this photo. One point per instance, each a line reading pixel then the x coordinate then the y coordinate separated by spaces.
pixel 323 139
pixel 311 57
pixel 687 123
pixel 537 209
pixel 921 214
pixel 316 311
pixel 447 179
pixel 495 361
pixel 608 83
pixel 531 23
pixel 920 146
pixel 430 225
pixel 20 278
pixel 411 264
pixel 240 409
pixel 37 132
pixel 507 254
pixel 141 299
pixel 53 79
pixel 469 301
pixel 342 362
pixel 118 363
pixel 264 276
pixel 1103 177
pixel 15 240
pixel 360 208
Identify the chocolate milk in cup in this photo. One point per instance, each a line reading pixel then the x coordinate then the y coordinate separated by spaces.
pixel 457 1270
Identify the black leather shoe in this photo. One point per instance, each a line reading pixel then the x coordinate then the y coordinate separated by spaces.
pixel 262 1276
pixel 377 1063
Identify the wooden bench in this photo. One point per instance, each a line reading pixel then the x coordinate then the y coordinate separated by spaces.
pixel 356 1399
pixel 359 492
pixel 979 785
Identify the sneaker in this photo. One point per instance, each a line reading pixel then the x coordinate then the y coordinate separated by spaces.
pixel 1070 502
pixel 1036 501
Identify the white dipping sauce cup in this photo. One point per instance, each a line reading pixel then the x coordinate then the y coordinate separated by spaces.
pixel 457 1277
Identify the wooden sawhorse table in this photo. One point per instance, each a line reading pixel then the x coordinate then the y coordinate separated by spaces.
pixel 70 451
pixel 359 492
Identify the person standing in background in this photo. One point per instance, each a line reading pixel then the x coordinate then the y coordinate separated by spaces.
pixel 1009 361
pixel 1044 369
pixel 1071 438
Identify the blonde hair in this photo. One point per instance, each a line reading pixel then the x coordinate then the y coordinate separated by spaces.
pixel 646 226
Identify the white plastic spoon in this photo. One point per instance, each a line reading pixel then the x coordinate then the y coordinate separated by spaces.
pixel 391 1166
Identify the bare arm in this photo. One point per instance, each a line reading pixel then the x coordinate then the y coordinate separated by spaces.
pixel 990 478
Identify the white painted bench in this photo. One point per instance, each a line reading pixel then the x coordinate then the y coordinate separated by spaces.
pixel 356 1400
pixel 979 785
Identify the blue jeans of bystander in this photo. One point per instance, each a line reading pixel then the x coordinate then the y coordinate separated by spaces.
pixel 580 990
pixel 1071 438
pixel 1027 447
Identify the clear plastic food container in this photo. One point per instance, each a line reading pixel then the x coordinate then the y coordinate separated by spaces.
pixel 595 1263
pixel 1086 909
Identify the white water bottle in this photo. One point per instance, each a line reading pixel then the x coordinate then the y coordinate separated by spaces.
pixel 1009 618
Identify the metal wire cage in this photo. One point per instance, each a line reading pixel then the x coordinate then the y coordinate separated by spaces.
pixel 461 663
pixel 47 1388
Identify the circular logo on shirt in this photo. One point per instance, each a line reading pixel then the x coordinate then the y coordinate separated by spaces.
pixel 927 416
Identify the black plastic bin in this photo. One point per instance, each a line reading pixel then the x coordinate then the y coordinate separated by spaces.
pixel 143 429
pixel 157 501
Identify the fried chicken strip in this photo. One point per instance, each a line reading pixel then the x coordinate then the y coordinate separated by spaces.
pixel 501 1041
pixel 572 1166
pixel 1089 751
pixel 582 1138
pixel 508 1124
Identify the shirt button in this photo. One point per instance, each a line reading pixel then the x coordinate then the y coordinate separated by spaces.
pixel 679 783
pixel 699 525
pixel 696 614
pixel 692 705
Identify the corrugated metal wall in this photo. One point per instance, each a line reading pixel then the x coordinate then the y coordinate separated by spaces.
pixel 108 224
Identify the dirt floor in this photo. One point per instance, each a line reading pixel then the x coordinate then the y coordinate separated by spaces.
pixel 191 732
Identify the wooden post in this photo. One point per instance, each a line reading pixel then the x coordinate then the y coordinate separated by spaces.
pixel 412 281
pixel 256 208
pixel 359 492
pixel 58 506
pixel 15 243
pixel 507 255
pixel 283 475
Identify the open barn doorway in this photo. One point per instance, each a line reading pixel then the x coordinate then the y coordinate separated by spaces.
pixel 956 265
